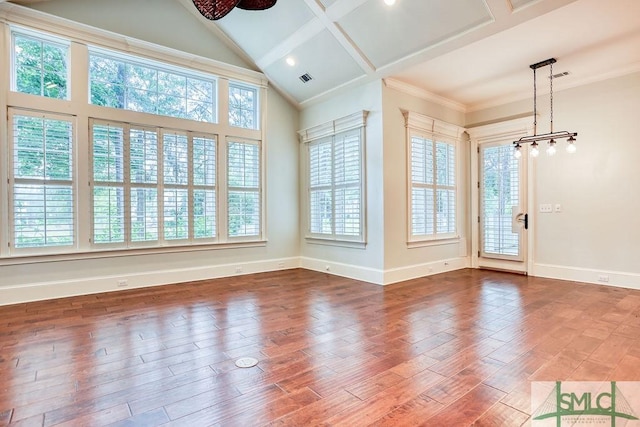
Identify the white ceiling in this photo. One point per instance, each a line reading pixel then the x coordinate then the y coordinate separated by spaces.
pixel 468 53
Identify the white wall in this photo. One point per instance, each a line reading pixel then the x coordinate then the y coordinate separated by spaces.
pixel 400 261
pixel 598 232
pixel 361 263
pixel 45 278
pixel 163 22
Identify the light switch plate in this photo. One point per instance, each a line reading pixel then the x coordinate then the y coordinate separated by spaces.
pixel 546 208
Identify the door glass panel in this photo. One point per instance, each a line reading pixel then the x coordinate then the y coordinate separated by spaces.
pixel 500 194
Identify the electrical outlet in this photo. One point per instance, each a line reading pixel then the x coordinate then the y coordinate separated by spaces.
pixel 603 278
pixel 122 283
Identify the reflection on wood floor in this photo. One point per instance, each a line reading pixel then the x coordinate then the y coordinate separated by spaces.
pixel 447 350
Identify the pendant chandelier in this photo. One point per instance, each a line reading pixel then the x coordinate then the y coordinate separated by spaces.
pixel 551 136
pixel 216 9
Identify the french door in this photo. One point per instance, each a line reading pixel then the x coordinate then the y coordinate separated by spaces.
pixel 503 218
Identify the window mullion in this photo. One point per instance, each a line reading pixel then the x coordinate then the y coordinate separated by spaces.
pixel 160 185
pixel 333 186
pixel 127 183
pixel 190 188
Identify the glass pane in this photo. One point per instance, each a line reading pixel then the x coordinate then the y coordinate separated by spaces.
pixel 108 153
pixel 320 164
pixel 347 158
pixel 42 148
pixel 445 164
pixel 500 192
pixel 421 160
pixel 243 106
pixel 108 214
pixel 176 214
pixel 40 67
pixel 43 215
pixel 204 161
pixel 347 211
pixel 204 214
pixel 244 165
pixel 446 211
pixel 422 214
pixel 122 83
pixel 244 213
pixel 176 159
pixel 144 214
pixel 321 212
pixel 144 156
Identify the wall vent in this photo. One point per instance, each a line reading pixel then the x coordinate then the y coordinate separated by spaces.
pixel 564 73
pixel 306 77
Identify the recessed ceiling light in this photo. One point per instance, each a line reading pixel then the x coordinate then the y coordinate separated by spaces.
pixel 291 61
pixel 390 2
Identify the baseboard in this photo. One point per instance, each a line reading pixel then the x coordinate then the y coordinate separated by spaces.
pixel 92 285
pixel 365 274
pixel 600 277
pixel 409 272
pixel 384 277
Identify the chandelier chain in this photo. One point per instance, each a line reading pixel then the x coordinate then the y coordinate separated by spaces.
pixel 535 109
pixel 551 94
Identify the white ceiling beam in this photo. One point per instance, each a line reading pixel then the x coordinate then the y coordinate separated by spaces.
pixel 358 56
pixel 304 33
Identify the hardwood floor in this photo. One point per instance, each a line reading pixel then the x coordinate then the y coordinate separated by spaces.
pixel 454 349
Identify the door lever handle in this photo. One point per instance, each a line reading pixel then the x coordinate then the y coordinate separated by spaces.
pixel 524 218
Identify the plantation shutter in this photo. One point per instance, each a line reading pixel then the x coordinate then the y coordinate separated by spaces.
pixel 43 208
pixel 243 196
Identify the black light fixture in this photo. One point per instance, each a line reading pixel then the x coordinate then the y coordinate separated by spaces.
pixel 216 9
pixel 551 136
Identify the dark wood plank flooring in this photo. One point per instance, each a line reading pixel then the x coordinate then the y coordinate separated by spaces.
pixel 454 349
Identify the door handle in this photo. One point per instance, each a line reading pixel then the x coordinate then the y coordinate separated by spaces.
pixel 524 219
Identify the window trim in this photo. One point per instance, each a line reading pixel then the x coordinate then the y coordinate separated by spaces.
pixel 426 127
pixel 355 121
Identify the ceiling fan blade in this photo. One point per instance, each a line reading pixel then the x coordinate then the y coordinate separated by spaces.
pixel 215 9
pixel 256 4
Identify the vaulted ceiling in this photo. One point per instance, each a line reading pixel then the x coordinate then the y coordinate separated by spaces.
pixel 469 53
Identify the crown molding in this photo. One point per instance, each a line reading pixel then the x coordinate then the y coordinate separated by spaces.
pixel 424 94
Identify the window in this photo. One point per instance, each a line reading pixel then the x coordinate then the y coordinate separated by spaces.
pixel 243 166
pixel 335 179
pixel 181 208
pixel 432 172
pixel 40 65
pixel 43 183
pixel 133 160
pixel 243 106
pixel 121 81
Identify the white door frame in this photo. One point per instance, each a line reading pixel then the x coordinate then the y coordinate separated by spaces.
pixel 501 131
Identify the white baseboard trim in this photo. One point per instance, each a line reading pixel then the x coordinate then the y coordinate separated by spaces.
pixel 409 272
pixel 92 285
pixel 16 294
pixel 365 274
pixel 600 277
pixel 385 277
